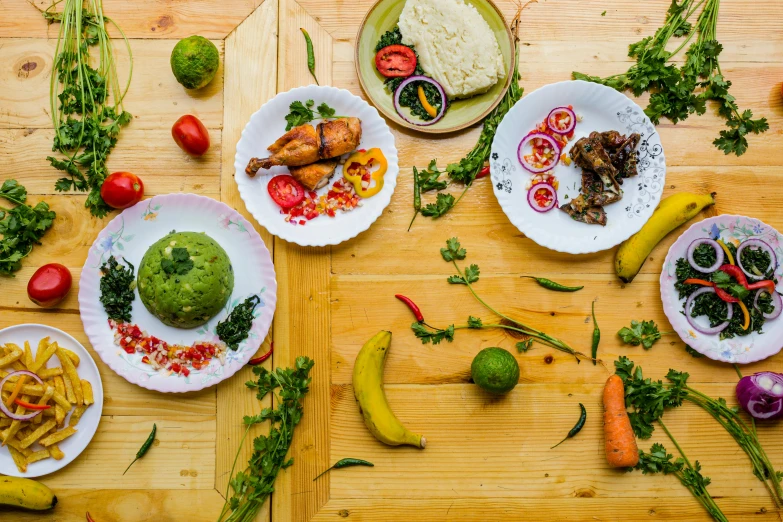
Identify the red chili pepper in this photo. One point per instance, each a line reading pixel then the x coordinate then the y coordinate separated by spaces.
pixel 262 358
pixel 768 285
pixel 37 407
pixel 415 309
pixel 483 173
pixel 735 272
pixel 89 518
pixel 725 296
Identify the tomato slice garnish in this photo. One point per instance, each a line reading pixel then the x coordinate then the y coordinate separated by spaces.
pixel 396 61
pixel 286 191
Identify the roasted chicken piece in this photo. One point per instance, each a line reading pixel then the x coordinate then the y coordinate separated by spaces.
pixel 306 144
pixel 315 175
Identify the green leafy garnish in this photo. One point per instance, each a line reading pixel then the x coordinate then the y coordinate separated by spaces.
pixel 13 191
pixel 645 333
pixel 393 37
pixel 179 264
pixel 429 178
pixel 474 322
pixel 236 327
pixel 301 113
pixel 432 336
pixel 524 346
pixel 453 250
pixel 117 285
pixel 443 203
pixel 21 227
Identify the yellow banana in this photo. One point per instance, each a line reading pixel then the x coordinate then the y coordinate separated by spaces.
pixel 670 214
pixel 26 494
pixel 369 393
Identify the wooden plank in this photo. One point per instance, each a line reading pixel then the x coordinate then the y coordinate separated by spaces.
pixel 489 447
pixel 154 98
pixel 302 323
pixel 138 19
pixel 133 504
pixel 248 84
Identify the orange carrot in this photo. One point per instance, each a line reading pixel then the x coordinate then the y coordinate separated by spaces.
pixel 620 442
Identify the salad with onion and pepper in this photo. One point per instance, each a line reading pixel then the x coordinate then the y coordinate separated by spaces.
pixel 729 290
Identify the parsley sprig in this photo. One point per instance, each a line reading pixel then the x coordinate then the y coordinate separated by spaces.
pixel 643 333
pixel 301 113
pixel 179 264
pixel 253 485
pixel 21 227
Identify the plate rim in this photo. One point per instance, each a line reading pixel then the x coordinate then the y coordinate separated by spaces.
pixel 13 472
pixel 429 130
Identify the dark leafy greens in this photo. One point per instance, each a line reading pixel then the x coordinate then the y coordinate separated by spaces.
pixel 237 325
pixel 117 286
pixel 757 262
pixel 705 255
pixel 22 226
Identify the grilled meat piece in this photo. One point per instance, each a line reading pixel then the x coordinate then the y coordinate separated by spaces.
pixel 593 193
pixel 338 137
pixel 589 154
pixel 592 215
pixel 611 140
pixel 624 157
pixel 315 175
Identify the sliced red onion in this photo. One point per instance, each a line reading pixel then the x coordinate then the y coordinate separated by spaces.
pixel 756 243
pixel 761 395
pixel 546 137
pixel 426 79
pixel 718 255
pixel 531 197
pixel 776 302
pixel 554 113
pixel 706 329
pixel 4 408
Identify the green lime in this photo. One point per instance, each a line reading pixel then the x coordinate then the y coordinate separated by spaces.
pixel 495 370
pixel 194 61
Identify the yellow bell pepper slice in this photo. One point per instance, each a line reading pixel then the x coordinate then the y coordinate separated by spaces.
pixel 359 164
pixel 432 111
pixel 745 312
pixel 726 249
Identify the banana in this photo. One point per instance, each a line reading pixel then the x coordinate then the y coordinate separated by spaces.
pixel 672 212
pixel 26 494
pixel 369 393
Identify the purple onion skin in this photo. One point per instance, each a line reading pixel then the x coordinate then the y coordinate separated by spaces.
pixel 759 403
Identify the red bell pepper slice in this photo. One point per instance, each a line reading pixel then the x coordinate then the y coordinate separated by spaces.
pixel 27 405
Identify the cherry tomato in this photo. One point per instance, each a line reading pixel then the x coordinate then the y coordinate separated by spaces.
pixel 396 61
pixel 191 135
pixel 286 191
pixel 49 285
pixel 122 190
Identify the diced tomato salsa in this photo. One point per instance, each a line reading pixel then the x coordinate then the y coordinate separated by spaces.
pixel 340 196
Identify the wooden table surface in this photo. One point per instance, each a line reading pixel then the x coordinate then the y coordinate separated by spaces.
pixel 485 459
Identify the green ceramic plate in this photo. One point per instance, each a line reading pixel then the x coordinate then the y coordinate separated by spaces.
pixel 461 113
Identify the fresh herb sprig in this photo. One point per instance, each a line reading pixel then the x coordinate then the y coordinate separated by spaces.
pixel 674 88
pixel 253 485
pixel 237 325
pixel 21 227
pixel 643 333
pixel 179 264
pixel 117 286
pixel 301 113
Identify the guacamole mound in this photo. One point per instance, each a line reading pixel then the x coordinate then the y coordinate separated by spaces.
pixel 495 370
pixel 194 61
pixel 185 279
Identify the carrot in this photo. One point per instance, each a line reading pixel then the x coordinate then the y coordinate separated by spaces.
pixel 620 443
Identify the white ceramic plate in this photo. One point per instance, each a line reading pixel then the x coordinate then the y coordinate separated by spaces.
pixel 741 350
pixel 128 236
pixel 601 109
pixel 75 444
pixel 268 123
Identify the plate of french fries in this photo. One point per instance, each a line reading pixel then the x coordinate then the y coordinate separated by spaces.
pixel 52 399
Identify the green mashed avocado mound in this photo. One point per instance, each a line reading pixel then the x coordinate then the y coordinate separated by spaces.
pixel 181 290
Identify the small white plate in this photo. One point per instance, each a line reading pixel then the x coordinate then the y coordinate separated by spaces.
pixel 601 109
pixel 88 424
pixel 268 123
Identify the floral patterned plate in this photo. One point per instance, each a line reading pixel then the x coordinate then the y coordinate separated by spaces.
pixel 601 109
pixel 741 350
pixel 128 236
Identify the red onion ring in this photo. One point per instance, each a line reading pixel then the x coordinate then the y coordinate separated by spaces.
pixel 546 137
pixel 426 79
pixel 4 408
pixel 557 111
pixel 531 197
pixel 776 302
pixel 704 329
pixel 773 260
pixel 718 255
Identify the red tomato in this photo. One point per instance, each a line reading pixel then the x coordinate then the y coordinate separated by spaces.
pixel 49 285
pixel 396 61
pixel 122 190
pixel 191 135
pixel 286 191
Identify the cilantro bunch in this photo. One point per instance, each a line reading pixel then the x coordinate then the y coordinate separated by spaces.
pixel 678 92
pixel 253 485
pixel 643 333
pixel 21 227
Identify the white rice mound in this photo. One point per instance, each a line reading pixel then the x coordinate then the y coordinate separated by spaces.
pixel 456 46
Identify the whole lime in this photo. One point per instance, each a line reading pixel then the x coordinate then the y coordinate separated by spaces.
pixel 495 370
pixel 194 61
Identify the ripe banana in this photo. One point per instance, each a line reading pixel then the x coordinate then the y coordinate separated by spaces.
pixel 671 213
pixel 368 390
pixel 26 494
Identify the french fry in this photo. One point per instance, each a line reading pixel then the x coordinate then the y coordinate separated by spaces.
pixel 17 445
pixel 40 432
pixel 69 392
pixel 57 437
pixel 60 409
pixel 76 415
pixel 87 392
pixel 72 356
pixel 43 344
pixel 38 455
pixel 47 373
pixel 15 425
pixel 56 452
pixel 28 354
pixel 73 376
pixel 45 398
pixel 11 357
pixel 19 459
pixel 42 357
pixel 5 423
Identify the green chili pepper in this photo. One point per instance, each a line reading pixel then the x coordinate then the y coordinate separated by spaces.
pixel 144 447
pixel 310 54
pixel 596 338
pixel 551 285
pixel 346 463
pixel 416 197
pixel 577 427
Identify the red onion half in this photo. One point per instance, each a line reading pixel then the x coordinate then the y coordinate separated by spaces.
pixel 776 302
pixel 761 395
pixel 546 137
pixel 551 119
pixel 718 255
pixel 756 243
pixel 709 330
pixel 426 79
pixel 531 197
pixel 4 408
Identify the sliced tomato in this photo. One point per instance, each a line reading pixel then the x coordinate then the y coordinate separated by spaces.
pixel 396 61
pixel 286 191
